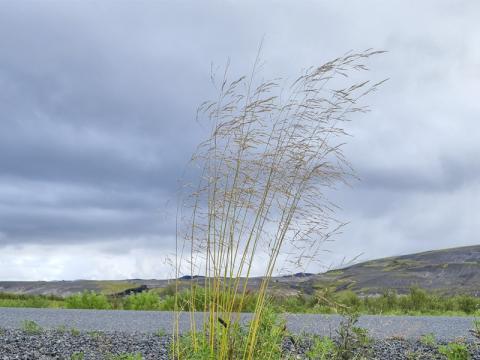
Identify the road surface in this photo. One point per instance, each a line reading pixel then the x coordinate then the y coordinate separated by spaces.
pixel 380 327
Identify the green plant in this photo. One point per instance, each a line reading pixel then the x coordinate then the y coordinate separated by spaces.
pixel 467 304
pixel 31 327
pixel 414 355
pixel 428 340
pixel 61 329
pixel 322 349
pixel 75 332
pixel 126 356
pixel 161 333
pixel 77 356
pixel 87 300
pixel 353 341
pixel 271 154
pixel 325 301
pixel 455 351
pixel 95 334
pixel 142 301
pixel 33 301
pixel 476 328
pixel 271 333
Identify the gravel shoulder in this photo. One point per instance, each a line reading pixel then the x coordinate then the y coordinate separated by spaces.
pixel 102 334
pixel 148 322
pixel 66 345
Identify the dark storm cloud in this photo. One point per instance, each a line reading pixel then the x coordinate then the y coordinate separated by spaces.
pixel 91 119
pixel 98 101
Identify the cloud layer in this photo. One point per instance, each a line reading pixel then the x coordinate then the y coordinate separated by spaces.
pixel 98 103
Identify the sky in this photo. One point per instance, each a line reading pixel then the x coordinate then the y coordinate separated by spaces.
pixel 98 103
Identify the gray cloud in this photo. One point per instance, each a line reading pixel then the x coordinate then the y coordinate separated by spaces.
pixel 98 102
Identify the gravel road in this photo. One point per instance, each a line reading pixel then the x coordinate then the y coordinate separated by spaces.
pixel 380 327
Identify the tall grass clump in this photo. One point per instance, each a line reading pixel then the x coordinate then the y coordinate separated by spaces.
pixel 273 153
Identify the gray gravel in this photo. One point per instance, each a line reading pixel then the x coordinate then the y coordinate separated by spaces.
pixel 51 344
pixel 101 334
pixel 380 327
pixel 63 345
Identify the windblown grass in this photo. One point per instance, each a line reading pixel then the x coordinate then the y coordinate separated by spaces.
pixel 273 153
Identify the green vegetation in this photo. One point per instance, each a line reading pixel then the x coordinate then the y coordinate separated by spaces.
pixel 123 356
pixel 416 302
pixel 429 340
pixel 136 356
pixel 452 351
pixel 62 329
pixel 143 301
pixel 75 332
pixel 87 300
pixel 455 351
pixel 322 348
pixel 31 327
pixel 31 301
pixel 353 341
pixel 77 356
pixel 96 335
pixel 161 333
pixel 271 333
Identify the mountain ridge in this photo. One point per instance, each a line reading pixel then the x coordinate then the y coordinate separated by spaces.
pixel 445 271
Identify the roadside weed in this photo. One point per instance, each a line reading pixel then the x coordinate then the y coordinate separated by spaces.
pixel 322 349
pixel 74 332
pixel 428 340
pixel 161 333
pixel 323 301
pixel 95 334
pixel 62 329
pixel 77 356
pixel 272 153
pixel 455 351
pixel 476 327
pixel 414 355
pixel 126 356
pixel 271 333
pixel 31 327
pixel 353 341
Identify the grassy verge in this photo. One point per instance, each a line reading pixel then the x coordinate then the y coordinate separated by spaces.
pixel 417 302
pixel 31 301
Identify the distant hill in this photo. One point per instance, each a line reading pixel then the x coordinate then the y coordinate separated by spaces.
pixel 449 271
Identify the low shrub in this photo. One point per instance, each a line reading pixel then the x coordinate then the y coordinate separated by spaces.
pixel 455 351
pixel 87 300
pixel 322 349
pixel 142 301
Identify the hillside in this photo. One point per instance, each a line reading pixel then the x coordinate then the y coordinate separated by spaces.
pixel 448 271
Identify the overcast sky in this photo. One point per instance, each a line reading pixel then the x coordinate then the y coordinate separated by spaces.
pixel 98 104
